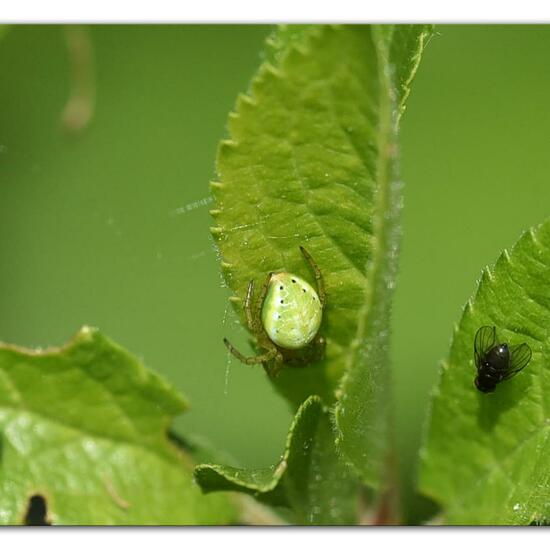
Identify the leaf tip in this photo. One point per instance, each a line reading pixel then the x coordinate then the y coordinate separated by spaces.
pixel 86 334
pixel 243 101
pixel 216 185
pixel 272 70
pixel 485 279
pixel 228 145
pixel 503 260
pixel 532 234
pixel 216 232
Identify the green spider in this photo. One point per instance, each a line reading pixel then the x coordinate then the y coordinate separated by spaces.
pixel 285 320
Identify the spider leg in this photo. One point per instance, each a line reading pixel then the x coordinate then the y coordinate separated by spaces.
pixel 318 275
pixel 320 344
pixel 264 358
pixel 248 306
pixel 273 369
pixel 258 309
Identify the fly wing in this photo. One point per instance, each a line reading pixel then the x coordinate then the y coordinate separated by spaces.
pixel 520 356
pixel 484 341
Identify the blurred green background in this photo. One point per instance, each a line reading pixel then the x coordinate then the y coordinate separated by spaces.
pixel 110 227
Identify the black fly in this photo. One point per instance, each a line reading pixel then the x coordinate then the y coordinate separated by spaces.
pixel 497 362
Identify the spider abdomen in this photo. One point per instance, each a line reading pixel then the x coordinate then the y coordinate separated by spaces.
pixel 291 312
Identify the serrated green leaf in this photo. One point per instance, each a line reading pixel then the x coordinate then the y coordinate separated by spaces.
pixel 312 161
pixel 85 427
pixel 283 38
pixel 309 478
pixel 298 170
pixel 486 457
pixel 363 408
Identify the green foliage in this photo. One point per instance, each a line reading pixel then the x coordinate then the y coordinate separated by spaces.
pixel 486 457
pixel 311 160
pixel 84 427
pixel 309 478
pixel 405 46
pixel 291 175
pixel 363 409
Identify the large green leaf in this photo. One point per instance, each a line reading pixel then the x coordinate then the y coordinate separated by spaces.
pixel 309 478
pixel 84 428
pixel 486 457
pixel 311 161
pixel 299 170
pixel 363 409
